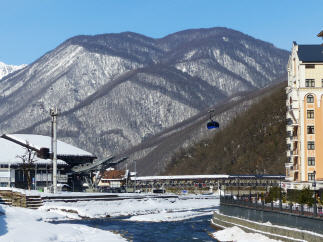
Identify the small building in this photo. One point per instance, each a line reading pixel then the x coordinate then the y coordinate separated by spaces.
pixel 112 178
pixel 15 148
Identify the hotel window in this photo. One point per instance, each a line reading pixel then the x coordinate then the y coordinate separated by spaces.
pixel 309 83
pixel 310 145
pixel 310 66
pixel 311 176
pixel 310 99
pixel 311 161
pixel 310 129
pixel 310 114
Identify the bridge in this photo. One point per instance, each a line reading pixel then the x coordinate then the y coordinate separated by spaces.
pixel 205 182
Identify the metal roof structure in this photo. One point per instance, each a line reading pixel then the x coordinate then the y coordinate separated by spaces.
pixel 10 152
pixel 36 142
pixel 310 53
pixel 215 176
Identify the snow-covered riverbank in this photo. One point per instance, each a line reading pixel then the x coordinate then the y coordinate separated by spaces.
pixel 20 224
pixel 133 207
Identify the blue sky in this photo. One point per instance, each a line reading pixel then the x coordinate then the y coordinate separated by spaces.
pixel 30 28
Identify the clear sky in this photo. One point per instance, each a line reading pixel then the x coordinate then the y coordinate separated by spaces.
pixel 30 28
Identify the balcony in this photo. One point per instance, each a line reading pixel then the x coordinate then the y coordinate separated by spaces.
pixel 294 167
pixel 294 152
pixel 292 107
pixel 289 165
pixel 290 178
pixel 294 138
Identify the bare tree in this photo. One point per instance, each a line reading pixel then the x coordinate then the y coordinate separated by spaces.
pixel 28 160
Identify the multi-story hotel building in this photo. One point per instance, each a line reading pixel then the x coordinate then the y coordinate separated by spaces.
pixel 305 114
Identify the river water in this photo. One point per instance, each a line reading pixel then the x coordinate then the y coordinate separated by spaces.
pixel 194 229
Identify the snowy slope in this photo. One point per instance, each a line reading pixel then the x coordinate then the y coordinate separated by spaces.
pixel 7 69
pixel 115 91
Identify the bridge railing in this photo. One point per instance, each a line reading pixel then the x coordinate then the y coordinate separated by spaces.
pixel 255 202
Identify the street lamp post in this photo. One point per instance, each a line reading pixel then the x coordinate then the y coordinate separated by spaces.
pixel 238 188
pixel 135 176
pixel 280 193
pixel 53 114
pixel 314 188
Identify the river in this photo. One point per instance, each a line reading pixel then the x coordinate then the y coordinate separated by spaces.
pixel 194 229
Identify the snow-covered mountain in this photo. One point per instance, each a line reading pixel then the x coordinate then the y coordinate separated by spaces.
pixel 116 90
pixel 7 69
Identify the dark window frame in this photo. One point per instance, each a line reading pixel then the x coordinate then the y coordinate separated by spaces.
pixel 309 66
pixel 309 83
pixel 310 98
pixel 310 129
pixel 310 145
pixel 311 161
pixel 310 114
pixel 310 176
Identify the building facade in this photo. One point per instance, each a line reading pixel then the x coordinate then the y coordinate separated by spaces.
pixel 14 164
pixel 305 114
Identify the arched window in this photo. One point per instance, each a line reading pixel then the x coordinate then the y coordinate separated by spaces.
pixel 310 99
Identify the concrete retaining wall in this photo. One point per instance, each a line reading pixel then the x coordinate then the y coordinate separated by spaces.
pixel 271 231
pixel 17 199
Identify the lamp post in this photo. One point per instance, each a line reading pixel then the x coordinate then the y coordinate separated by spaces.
pixel 238 188
pixel 53 114
pixel 314 188
pixel 135 176
pixel 250 201
pixel 280 193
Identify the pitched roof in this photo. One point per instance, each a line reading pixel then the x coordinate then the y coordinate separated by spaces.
pixel 39 141
pixel 10 152
pixel 310 53
pixel 114 174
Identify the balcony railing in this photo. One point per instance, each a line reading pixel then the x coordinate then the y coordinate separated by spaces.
pixel 289 165
pixel 293 167
pixel 294 152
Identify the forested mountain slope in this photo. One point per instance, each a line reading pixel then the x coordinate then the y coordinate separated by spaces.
pixel 252 143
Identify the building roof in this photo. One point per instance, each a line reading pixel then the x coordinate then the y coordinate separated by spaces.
pixel 113 175
pixel 39 141
pixel 179 177
pixel 10 151
pixel 310 53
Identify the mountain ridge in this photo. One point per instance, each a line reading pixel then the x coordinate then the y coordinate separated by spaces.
pixel 116 92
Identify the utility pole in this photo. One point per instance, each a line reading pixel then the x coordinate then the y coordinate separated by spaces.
pixel 53 114
pixel 127 177
pixel 135 174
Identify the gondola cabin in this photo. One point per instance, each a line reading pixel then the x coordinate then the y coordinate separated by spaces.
pixel 212 125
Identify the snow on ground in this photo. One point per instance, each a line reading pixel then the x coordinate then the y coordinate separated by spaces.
pixel 133 207
pixel 21 224
pixel 164 216
pixel 237 234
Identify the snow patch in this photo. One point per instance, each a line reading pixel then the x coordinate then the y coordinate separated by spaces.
pixel 237 234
